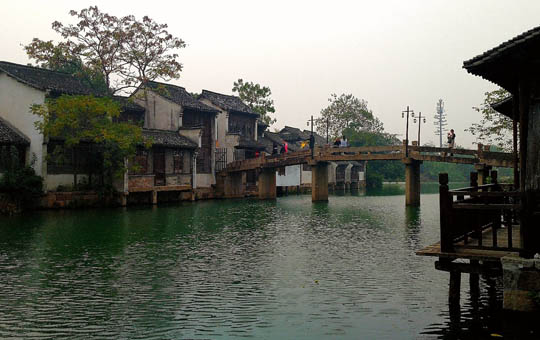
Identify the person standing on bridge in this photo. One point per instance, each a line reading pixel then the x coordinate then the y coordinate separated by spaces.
pixel 344 142
pixel 451 140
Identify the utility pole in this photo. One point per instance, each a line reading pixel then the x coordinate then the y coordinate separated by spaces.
pixel 440 121
pixel 420 117
pixel 407 129
pixel 312 138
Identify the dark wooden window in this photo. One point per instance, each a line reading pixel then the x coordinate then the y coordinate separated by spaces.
pixel 81 159
pixel 242 125
pixel 10 154
pixel 203 121
pixel 141 163
pixel 306 167
pixel 178 161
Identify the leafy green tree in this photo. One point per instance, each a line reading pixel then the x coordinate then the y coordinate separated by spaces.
pixel 257 97
pixel 494 128
pixel 347 112
pixel 78 119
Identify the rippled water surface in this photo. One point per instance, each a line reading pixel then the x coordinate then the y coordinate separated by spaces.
pixel 286 269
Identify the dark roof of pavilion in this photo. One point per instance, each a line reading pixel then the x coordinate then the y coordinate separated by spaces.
pixel 179 95
pixel 43 79
pixel 319 140
pixel 504 107
pixel 268 139
pixel 502 64
pixel 230 103
pixel 246 143
pixel 10 135
pixel 170 139
pixel 292 134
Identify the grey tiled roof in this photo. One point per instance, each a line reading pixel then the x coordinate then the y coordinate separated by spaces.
pixel 169 139
pixel 504 48
pixel 245 143
pixel 179 95
pixel 127 104
pixel 44 79
pixel 229 103
pixel 9 135
pixel 504 107
pixel 292 134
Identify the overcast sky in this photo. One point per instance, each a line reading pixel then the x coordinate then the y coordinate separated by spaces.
pixel 390 53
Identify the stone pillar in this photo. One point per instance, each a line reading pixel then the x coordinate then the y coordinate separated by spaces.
pixel 154 197
pixel 319 182
pixel 412 181
pixel 267 184
pixel 521 283
pixel 234 185
pixel 483 173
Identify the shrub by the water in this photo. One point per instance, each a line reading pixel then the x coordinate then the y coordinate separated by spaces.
pixel 374 180
pixel 20 187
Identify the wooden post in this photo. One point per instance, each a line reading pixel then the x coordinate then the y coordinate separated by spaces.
pixel 515 119
pixel 319 182
pixel 483 172
pixel 412 181
pixel 154 197
pixel 445 208
pixel 454 288
pixel 525 232
pixel 267 184
pixel 474 282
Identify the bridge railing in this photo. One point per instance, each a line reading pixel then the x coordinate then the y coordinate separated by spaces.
pixel 478 216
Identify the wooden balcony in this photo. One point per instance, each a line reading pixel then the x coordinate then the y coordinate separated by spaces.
pixel 479 222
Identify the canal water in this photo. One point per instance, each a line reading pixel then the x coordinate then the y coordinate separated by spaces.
pixel 287 269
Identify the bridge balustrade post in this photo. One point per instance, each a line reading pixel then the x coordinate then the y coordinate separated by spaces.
pixel 412 181
pixel 483 172
pixel 267 184
pixel 319 182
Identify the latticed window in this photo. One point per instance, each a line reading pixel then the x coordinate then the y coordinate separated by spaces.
pixel 140 162
pixel 178 161
pixel 83 158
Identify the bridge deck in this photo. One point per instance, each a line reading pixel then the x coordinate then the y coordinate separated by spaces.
pixel 392 152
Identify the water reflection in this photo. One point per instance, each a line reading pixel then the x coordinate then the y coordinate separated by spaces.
pixel 227 269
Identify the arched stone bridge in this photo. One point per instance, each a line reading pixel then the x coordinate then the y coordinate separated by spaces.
pixel 412 156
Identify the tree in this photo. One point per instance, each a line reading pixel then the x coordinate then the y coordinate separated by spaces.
pixel 347 111
pixel 440 122
pixel 78 119
pixel 494 128
pixel 124 51
pixel 257 97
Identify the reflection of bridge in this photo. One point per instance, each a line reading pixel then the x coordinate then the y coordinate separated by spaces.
pixel 231 183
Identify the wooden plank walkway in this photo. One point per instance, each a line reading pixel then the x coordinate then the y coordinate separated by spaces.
pixel 471 250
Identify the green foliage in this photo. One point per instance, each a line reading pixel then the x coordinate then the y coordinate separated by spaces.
pixel 115 53
pixel 257 97
pixel 374 180
pixel 494 128
pixel 79 119
pixel 20 183
pixel 347 112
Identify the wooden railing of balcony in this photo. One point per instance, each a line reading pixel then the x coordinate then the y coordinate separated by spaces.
pixel 468 215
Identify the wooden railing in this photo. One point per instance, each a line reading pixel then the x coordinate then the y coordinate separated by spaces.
pixel 477 216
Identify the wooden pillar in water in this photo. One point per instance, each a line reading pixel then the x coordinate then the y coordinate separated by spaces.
pixel 412 181
pixel 319 182
pixel 483 173
pixel 454 289
pixel 474 282
pixel 267 184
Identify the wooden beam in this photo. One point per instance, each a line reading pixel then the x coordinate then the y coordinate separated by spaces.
pixel 491 269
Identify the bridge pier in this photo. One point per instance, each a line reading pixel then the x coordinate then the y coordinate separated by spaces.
pixel 235 184
pixel 319 182
pixel 267 184
pixel 412 181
